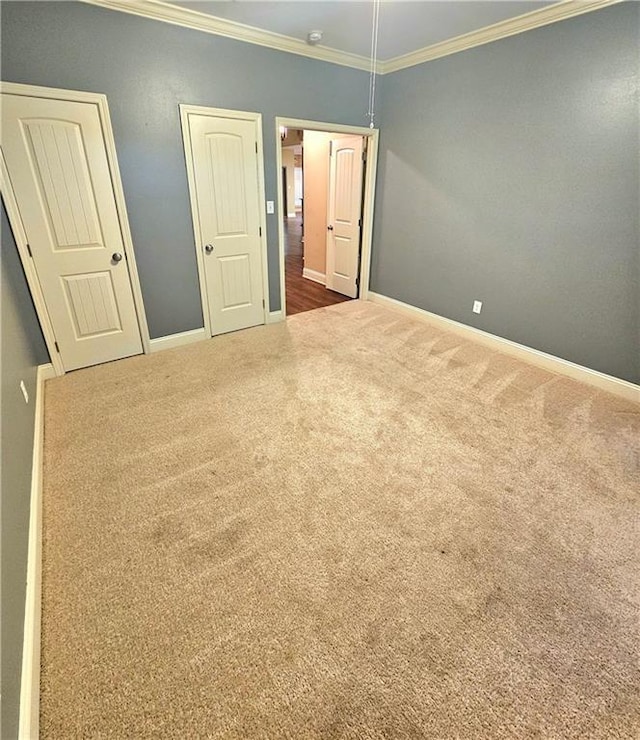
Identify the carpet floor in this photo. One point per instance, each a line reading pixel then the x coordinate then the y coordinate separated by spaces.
pixel 348 525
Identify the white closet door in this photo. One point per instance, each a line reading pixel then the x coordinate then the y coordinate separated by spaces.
pixel 224 162
pixel 56 159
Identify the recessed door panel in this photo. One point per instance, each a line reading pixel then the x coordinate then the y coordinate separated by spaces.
pixel 56 157
pixel 344 185
pixel 342 263
pixel 92 304
pixel 235 272
pixel 61 173
pixel 228 195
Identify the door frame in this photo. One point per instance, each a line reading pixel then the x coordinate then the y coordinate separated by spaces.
pixel 368 200
pixel 15 219
pixel 256 118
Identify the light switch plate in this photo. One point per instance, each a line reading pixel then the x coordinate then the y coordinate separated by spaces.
pixel 270 206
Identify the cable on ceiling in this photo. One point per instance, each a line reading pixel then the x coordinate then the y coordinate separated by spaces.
pixel 374 61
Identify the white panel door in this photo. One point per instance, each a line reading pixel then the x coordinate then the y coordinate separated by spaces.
pixel 345 207
pixel 57 163
pixel 225 170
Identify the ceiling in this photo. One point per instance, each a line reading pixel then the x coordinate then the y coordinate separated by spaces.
pixel 405 25
pixel 410 32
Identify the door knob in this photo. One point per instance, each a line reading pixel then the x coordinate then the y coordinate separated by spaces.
pixel 208 248
pixel 329 228
pixel 116 256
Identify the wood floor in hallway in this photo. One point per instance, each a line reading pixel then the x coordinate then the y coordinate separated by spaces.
pixel 302 294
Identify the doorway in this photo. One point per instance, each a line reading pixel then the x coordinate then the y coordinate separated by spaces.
pixel 325 246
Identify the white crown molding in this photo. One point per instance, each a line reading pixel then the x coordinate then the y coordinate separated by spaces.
pixel 527 22
pixel 194 19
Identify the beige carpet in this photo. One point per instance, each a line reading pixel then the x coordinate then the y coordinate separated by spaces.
pixel 351 525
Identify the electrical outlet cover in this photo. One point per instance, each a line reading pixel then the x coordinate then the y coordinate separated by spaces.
pixel 477 306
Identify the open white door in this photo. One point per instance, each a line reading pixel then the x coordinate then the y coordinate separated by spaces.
pixel 345 206
pixel 222 158
pixel 56 159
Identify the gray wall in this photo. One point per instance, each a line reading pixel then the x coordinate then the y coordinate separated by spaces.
pixel 23 349
pixel 510 173
pixel 146 68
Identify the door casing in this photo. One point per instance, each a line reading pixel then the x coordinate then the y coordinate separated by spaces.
pixel 372 135
pixel 256 118
pixel 15 220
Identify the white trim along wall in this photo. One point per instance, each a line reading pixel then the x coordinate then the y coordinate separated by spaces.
pixel 275 317
pixel 372 135
pixel 178 340
pixel 194 19
pixel 317 277
pixel 100 101
pixel 30 681
pixel 621 388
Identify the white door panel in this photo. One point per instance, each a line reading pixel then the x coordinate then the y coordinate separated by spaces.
pixel 225 170
pixel 345 204
pixel 56 158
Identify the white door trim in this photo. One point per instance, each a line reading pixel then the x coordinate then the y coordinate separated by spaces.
pixel 20 235
pixel 185 110
pixel 372 135
pixel 100 101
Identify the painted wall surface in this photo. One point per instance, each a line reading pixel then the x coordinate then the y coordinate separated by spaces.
pixel 298 187
pixel 316 193
pixel 146 68
pixel 288 162
pixel 23 349
pixel 510 173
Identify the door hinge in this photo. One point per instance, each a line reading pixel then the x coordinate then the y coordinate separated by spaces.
pixel 331 147
pixel 260 230
pixel 263 303
pixel 57 348
pixel 29 250
pixel 359 222
pixel 256 147
pixel 364 155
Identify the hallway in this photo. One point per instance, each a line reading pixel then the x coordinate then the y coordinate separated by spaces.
pixel 302 294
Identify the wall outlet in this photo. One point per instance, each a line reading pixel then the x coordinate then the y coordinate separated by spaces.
pixel 477 306
pixel 270 206
pixel 23 388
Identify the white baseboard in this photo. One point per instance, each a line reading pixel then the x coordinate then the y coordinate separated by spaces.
pixel 273 317
pixel 622 388
pixel 317 277
pixel 30 681
pixel 178 340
